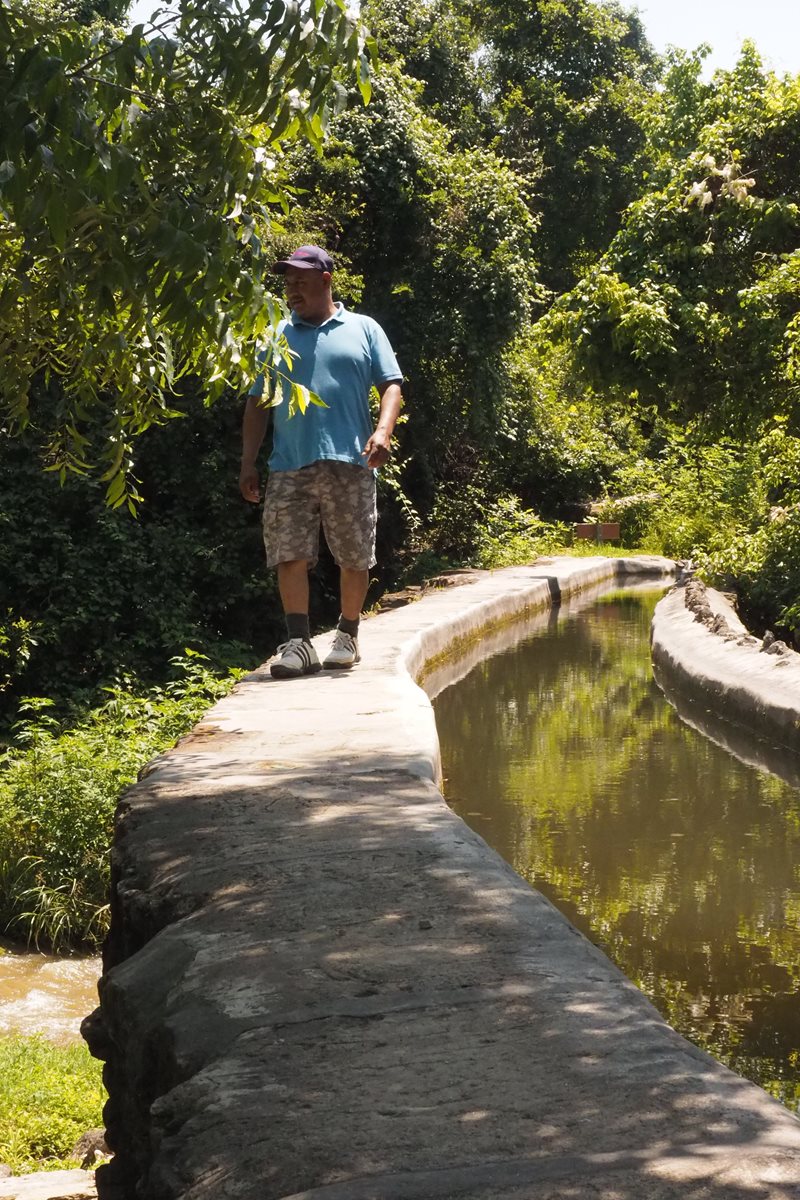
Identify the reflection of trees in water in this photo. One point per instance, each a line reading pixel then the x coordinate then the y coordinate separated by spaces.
pixel 673 856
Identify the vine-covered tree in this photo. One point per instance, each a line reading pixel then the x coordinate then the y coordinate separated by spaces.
pixel 436 43
pixel 696 305
pixel 559 88
pixel 568 82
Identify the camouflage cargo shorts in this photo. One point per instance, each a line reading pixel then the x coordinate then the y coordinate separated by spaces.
pixel 337 495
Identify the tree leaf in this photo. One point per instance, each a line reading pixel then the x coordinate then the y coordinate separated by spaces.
pixel 56 217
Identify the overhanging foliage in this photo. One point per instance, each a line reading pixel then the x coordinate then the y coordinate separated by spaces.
pixel 139 172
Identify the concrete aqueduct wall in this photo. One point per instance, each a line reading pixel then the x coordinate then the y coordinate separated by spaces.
pixel 703 651
pixel 321 985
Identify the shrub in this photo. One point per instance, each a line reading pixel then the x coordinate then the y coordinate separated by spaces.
pixel 764 567
pixel 87 593
pixel 690 498
pixel 58 792
pixel 511 535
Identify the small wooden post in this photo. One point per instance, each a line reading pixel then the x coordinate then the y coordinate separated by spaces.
pixel 597 531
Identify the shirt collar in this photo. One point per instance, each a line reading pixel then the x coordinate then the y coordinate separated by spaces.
pixel 335 319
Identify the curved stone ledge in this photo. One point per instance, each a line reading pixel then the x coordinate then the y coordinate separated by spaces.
pixel 321 985
pixel 703 653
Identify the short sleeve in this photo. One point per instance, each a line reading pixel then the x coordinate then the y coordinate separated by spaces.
pixel 385 368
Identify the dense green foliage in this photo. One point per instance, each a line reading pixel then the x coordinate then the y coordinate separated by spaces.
pixel 558 88
pixel 693 305
pixel 87 593
pixel 139 172
pixel 568 82
pixel 49 1097
pixel 690 320
pixel 58 792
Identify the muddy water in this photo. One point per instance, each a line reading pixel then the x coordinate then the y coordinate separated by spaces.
pixel 40 993
pixel 677 858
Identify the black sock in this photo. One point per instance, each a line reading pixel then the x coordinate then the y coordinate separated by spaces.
pixel 350 627
pixel 297 626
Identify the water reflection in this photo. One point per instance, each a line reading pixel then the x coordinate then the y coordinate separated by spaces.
pixel 676 858
pixel 40 993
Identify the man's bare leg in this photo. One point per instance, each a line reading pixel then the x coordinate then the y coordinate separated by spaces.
pixel 353 592
pixel 293 586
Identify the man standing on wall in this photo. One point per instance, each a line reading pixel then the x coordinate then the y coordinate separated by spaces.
pixel 321 470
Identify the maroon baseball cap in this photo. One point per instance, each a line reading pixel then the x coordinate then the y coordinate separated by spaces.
pixel 309 258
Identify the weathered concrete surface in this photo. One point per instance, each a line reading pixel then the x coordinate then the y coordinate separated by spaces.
pixel 727 671
pixel 320 985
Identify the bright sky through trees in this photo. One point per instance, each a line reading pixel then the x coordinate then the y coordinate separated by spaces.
pixel 774 25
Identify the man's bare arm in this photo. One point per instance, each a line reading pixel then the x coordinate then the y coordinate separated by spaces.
pixel 254 427
pixel 379 446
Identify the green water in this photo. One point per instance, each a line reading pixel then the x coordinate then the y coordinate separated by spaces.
pixel 679 860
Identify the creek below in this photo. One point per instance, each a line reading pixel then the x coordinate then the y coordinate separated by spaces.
pixel 675 857
pixel 42 993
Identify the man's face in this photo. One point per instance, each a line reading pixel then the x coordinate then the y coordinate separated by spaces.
pixel 308 292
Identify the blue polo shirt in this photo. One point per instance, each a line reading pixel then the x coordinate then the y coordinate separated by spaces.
pixel 339 361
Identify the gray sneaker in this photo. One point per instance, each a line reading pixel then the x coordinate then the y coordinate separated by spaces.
pixel 343 654
pixel 295 657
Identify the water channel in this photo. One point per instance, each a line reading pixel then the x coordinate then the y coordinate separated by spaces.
pixel 678 859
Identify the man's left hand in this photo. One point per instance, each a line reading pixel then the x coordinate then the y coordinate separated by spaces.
pixel 377 451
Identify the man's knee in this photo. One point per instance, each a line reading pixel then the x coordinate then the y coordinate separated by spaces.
pixel 294 564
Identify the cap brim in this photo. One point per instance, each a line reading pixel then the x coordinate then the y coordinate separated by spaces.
pixel 280 268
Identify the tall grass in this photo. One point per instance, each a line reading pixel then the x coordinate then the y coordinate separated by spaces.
pixel 58 792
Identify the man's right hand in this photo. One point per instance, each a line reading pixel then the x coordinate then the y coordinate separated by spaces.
pixel 249 484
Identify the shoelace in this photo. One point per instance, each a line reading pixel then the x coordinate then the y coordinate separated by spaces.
pixel 292 644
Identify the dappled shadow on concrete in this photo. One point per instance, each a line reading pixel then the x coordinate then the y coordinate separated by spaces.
pixel 325 986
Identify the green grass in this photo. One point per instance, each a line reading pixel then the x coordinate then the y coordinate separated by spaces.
pixel 582 548
pixel 515 555
pixel 49 1096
